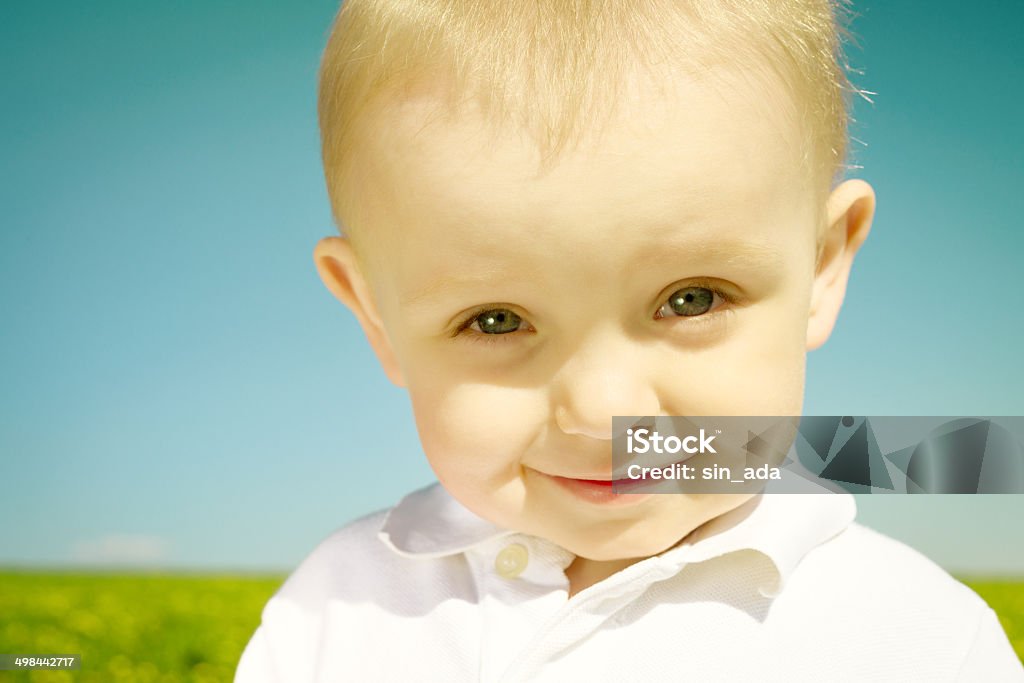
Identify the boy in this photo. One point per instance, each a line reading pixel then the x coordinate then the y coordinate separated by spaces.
pixel 557 212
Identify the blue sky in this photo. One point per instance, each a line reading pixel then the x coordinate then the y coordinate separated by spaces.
pixel 178 388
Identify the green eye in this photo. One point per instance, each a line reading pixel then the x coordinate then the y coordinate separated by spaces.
pixel 690 301
pixel 497 321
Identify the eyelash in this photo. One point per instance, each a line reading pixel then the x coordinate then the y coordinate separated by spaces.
pixel 462 329
pixel 703 317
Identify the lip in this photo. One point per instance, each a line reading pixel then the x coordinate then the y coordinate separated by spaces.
pixel 600 491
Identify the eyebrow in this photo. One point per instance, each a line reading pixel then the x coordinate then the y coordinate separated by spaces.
pixel 438 286
pixel 748 256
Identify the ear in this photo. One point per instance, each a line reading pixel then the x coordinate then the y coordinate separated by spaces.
pixel 850 209
pixel 340 270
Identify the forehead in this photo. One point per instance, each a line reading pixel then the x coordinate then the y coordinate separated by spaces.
pixel 709 159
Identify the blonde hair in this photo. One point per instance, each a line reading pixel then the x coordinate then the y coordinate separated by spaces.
pixel 556 65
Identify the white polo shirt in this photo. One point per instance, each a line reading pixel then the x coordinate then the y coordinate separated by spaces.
pixel 784 588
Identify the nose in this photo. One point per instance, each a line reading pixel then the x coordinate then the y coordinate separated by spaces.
pixel 609 376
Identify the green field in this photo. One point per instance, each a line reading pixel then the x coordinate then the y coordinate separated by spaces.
pixel 132 627
pixel 179 628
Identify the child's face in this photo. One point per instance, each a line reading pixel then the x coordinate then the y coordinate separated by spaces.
pixel 665 268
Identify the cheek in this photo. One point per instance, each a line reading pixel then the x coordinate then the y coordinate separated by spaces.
pixel 759 370
pixel 477 432
pixel 771 371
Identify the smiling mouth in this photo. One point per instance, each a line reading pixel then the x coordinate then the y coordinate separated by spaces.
pixel 608 486
pixel 618 484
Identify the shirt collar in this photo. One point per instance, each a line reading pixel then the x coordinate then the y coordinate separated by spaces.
pixel 429 523
pixel 782 526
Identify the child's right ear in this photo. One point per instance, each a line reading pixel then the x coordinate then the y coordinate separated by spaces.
pixel 339 269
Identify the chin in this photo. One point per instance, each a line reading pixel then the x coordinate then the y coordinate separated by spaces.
pixel 623 547
pixel 652 534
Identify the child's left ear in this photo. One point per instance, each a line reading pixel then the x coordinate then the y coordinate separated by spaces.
pixel 850 208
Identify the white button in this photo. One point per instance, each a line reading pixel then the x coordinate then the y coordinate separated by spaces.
pixel 511 561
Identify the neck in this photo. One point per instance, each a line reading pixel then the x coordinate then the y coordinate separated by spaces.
pixel 584 573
